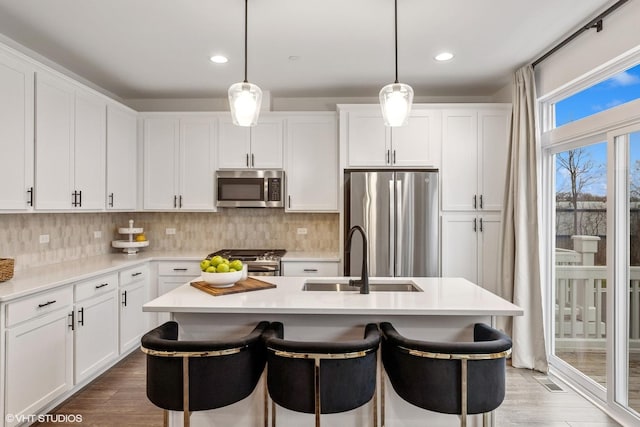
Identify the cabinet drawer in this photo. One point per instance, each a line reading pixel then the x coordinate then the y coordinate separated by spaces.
pixel 135 274
pixel 39 304
pixel 180 268
pixel 97 286
pixel 318 268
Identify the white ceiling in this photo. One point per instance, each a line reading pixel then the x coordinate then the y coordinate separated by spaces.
pixel 161 48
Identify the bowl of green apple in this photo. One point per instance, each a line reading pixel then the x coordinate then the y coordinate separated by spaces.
pixel 219 272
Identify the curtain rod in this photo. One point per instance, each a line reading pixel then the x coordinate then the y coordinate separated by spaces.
pixel 594 23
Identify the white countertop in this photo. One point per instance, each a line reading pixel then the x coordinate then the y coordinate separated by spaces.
pixel 42 278
pixel 29 281
pixel 441 296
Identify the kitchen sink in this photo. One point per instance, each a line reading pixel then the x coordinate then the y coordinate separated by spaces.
pixel 386 286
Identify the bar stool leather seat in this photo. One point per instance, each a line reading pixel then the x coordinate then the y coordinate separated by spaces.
pixel 448 377
pixel 201 375
pixel 321 377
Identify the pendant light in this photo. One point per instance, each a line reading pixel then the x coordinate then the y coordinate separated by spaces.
pixel 245 98
pixel 396 98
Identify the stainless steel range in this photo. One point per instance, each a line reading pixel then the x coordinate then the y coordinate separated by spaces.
pixel 260 262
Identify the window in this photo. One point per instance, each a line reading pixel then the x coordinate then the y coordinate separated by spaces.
pixel 619 89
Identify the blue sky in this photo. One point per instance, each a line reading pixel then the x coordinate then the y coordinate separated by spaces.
pixel 617 90
pixel 621 88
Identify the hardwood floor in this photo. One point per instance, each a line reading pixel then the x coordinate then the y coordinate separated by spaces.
pixel 118 398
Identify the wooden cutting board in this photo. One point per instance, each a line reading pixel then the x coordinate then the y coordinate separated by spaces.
pixel 250 284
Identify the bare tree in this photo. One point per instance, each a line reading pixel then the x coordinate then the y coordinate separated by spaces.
pixel 581 171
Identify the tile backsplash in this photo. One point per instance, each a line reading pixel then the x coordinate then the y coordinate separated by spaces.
pixel 71 235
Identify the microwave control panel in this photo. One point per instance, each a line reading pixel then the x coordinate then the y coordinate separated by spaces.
pixel 275 190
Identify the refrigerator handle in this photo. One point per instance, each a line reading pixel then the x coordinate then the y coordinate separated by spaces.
pixel 399 226
pixel 392 230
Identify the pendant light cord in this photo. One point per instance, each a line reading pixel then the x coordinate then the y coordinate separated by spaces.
pixel 245 38
pixel 395 28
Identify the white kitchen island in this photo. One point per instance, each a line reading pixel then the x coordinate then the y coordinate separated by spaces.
pixel 445 310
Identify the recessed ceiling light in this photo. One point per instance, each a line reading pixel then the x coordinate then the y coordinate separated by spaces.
pixel 219 59
pixel 294 58
pixel 444 56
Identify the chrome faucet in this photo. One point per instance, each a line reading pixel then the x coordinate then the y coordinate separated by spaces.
pixel 363 283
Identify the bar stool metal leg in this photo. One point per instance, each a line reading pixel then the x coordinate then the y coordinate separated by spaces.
pixel 185 391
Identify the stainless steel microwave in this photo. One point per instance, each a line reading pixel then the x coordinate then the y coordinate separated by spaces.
pixel 250 188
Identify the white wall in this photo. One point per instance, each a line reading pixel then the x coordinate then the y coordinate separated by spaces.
pixel 591 49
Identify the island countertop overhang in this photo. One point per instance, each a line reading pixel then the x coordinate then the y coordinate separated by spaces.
pixel 439 297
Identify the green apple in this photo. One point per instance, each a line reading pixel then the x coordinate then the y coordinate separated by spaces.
pixel 226 261
pixel 216 260
pixel 211 269
pixel 222 268
pixel 236 264
pixel 204 264
pixel 232 270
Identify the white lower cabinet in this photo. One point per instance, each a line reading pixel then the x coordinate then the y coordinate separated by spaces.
pixel 134 283
pixel 172 274
pixel 310 268
pixel 96 325
pixel 470 245
pixel 39 352
pixel 57 340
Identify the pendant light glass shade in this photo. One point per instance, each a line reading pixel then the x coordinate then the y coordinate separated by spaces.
pixel 245 100
pixel 395 101
pixel 396 98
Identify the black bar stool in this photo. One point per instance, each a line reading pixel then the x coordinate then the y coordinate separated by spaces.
pixel 321 377
pixel 451 378
pixel 201 375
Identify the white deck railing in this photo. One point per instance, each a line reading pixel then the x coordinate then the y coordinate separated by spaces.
pixel 581 302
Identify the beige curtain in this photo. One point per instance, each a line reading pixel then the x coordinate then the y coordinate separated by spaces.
pixel 520 261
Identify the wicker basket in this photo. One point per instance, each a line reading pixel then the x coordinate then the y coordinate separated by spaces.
pixel 6 269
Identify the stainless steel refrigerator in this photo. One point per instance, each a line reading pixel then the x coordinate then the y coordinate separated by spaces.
pixel 398 210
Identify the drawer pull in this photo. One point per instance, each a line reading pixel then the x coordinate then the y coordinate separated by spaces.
pixel 81 316
pixel 310 270
pixel 102 285
pixel 124 298
pixel 46 303
pixel 136 274
pixel 179 269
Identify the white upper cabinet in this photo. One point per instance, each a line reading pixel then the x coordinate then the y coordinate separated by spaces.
pixel 474 157
pixel 372 144
pixel 16 134
pixel 418 142
pixel 257 147
pixel 90 151
pixel 368 139
pixel 197 164
pixel 312 163
pixel 70 146
pixel 179 163
pixel 122 158
pixel 161 136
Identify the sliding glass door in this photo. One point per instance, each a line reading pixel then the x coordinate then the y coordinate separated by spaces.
pixel 580 262
pixel 627 271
